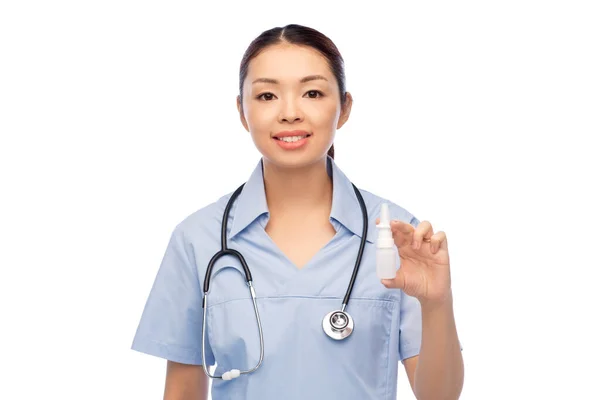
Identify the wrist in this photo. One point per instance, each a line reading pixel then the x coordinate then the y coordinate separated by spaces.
pixel 439 303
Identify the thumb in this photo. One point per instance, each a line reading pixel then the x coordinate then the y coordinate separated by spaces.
pixel 397 283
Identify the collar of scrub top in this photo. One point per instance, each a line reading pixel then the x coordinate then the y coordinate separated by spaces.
pixel 345 208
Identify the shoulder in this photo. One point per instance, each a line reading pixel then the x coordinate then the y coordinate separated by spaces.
pixel 397 212
pixel 204 224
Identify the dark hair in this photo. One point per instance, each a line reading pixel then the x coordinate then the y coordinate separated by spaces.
pixel 303 36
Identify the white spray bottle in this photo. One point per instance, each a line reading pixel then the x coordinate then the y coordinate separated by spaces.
pixel 386 251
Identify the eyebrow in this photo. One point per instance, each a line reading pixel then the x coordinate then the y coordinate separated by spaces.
pixel 303 80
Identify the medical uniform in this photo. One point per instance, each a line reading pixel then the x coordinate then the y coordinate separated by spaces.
pixel 300 360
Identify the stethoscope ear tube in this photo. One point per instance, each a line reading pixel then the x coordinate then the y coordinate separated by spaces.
pixel 223 252
pixel 235 372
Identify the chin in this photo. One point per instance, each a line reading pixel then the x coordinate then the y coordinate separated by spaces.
pixel 294 159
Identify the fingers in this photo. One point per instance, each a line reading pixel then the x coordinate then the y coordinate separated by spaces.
pixel 405 234
pixel 423 231
pixel 402 233
pixel 439 241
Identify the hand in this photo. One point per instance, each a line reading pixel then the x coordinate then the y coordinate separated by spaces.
pixel 424 262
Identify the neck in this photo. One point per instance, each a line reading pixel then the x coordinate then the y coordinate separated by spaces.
pixel 297 189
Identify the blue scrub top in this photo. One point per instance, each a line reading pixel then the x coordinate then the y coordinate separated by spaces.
pixel 300 360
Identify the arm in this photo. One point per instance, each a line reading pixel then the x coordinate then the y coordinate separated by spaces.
pixel 171 324
pixel 438 371
pixel 185 382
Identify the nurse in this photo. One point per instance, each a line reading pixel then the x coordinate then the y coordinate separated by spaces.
pixel 298 224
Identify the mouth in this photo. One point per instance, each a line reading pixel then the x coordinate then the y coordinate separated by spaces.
pixel 292 139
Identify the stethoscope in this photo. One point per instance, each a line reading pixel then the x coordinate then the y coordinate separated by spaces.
pixel 337 324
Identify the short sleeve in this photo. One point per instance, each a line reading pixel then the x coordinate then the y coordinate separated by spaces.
pixel 171 322
pixel 410 322
pixel 410 327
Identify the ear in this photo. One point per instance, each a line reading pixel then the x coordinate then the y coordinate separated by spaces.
pixel 241 112
pixel 346 108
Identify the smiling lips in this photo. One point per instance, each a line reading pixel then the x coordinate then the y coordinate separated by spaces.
pixel 291 140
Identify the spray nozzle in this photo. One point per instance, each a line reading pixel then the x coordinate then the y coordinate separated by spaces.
pixel 384 237
pixel 385 254
pixel 384 216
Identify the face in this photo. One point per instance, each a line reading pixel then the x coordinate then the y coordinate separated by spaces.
pixel 291 105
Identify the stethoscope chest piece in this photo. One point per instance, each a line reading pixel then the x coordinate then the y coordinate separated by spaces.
pixel 338 324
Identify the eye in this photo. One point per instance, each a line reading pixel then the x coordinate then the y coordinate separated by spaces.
pixel 314 94
pixel 265 96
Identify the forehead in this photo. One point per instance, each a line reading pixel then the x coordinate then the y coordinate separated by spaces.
pixel 288 60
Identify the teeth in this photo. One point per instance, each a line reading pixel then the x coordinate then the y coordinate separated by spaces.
pixel 291 139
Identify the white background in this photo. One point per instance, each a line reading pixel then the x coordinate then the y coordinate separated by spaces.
pixel 118 120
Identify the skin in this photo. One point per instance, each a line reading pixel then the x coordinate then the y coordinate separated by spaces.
pixel 299 193
pixel 185 382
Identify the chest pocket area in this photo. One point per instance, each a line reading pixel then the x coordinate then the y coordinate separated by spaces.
pixel 294 341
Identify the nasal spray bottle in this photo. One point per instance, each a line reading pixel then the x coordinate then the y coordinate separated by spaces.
pixel 385 253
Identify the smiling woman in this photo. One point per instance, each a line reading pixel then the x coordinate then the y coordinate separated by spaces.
pixel 291 239
pixel 280 58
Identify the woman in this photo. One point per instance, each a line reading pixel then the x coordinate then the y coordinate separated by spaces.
pixel 298 223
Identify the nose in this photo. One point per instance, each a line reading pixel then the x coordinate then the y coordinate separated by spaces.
pixel 290 112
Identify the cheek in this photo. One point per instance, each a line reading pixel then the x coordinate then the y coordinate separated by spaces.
pixel 259 118
pixel 325 114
